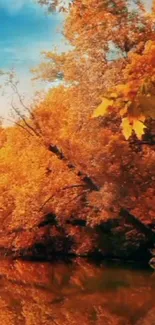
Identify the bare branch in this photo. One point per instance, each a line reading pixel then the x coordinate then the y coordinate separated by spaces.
pixel 62 189
pixel 22 117
pixel 16 91
pixel 18 124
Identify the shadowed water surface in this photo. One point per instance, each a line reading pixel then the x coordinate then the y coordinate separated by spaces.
pixel 80 292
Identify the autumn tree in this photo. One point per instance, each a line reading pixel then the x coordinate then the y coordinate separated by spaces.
pixel 68 157
pixel 112 57
pixel 105 36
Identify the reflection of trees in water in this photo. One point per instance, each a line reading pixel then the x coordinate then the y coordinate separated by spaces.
pixel 74 293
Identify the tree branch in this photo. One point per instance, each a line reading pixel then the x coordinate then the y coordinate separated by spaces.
pixel 16 91
pixel 149 233
pixel 22 117
pixel 61 189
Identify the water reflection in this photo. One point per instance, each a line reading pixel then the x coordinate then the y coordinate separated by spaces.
pixel 78 293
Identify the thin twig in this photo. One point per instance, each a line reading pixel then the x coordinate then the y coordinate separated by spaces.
pixel 15 89
pixel 61 189
pixel 18 124
pixel 21 116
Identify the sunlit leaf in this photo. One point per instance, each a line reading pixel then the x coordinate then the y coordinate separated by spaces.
pixel 126 128
pixel 139 128
pixel 102 109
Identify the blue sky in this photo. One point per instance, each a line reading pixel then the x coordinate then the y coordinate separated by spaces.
pixel 25 30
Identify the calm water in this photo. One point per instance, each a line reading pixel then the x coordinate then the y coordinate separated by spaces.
pixel 78 293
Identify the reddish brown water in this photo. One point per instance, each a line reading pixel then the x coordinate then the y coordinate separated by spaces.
pixel 78 293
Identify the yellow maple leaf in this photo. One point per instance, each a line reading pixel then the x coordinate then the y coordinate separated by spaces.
pixel 102 109
pixel 126 128
pixel 139 128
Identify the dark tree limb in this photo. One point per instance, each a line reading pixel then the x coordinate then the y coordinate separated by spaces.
pixel 37 131
pixel 148 232
pixel 85 178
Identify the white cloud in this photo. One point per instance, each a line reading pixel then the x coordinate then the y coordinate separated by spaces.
pixel 25 54
pixel 29 55
pixel 23 58
pixel 15 6
pixel 12 6
pixel 26 86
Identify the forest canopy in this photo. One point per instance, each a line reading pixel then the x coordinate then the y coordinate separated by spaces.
pixel 87 149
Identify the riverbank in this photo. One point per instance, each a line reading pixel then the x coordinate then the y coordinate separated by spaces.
pixel 125 238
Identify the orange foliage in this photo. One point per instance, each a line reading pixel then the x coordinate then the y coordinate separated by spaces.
pixel 74 166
